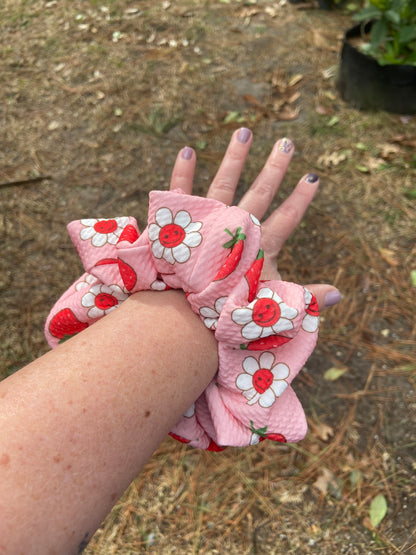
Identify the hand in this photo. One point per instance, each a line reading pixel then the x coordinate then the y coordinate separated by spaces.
pixel 283 221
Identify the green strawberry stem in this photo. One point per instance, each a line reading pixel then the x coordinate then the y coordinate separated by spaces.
pixel 235 238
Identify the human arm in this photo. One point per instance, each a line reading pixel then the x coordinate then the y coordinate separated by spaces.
pixel 75 423
pixel 79 423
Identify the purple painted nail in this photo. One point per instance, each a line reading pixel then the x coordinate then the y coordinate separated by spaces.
pixel 333 297
pixel 244 135
pixel 311 178
pixel 187 153
pixel 285 145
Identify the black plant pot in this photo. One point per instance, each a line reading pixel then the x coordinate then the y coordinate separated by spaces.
pixel 366 85
pixel 322 4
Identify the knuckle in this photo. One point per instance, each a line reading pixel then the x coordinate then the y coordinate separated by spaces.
pixel 223 185
pixel 265 190
pixel 290 212
pixel 236 155
pixel 276 164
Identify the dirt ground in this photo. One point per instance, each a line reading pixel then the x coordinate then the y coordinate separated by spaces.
pixel 96 99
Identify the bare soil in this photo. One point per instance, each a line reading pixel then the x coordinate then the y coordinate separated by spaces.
pixel 96 99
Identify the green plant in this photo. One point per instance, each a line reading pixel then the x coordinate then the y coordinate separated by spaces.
pixel 393 30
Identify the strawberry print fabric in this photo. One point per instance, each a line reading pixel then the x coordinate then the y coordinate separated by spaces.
pixel 265 330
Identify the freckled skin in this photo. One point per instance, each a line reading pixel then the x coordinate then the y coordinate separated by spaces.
pixel 4 459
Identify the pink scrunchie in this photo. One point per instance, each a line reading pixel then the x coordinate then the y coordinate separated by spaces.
pixel 265 330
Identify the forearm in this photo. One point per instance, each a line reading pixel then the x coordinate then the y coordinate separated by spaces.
pixel 78 424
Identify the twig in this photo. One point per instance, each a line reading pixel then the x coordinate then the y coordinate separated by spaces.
pixel 25 181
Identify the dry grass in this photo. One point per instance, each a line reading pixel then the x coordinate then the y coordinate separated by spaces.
pixel 100 97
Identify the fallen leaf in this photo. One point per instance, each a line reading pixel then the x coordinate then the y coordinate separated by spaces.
pixel 334 373
pixel 332 159
pixel 319 40
pixel 361 146
pixel 378 509
pixel 333 121
pixel 388 256
pixel 293 97
pixel 329 72
pixel 324 481
pixel 252 100
pixel 322 110
pixel 405 140
pixel 388 151
pixel 361 168
pixel 231 116
pixel 288 114
pixel 271 11
pixel 375 163
pixel 295 79
pixel 322 430
pixel 413 277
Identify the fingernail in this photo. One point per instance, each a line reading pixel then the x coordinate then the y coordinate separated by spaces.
pixel 187 153
pixel 333 297
pixel 244 135
pixel 311 178
pixel 285 145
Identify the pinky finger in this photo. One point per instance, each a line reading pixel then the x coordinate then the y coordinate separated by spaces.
pixel 183 170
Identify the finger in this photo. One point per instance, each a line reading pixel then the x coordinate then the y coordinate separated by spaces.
pixel 326 295
pixel 258 198
pixel 225 182
pixel 279 226
pixel 183 170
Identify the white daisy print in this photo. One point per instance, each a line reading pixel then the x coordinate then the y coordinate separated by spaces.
pixel 263 381
pixel 211 315
pixel 158 285
pixel 88 280
pixel 310 321
pixel 102 299
pixel 173 236
pixel 190 412
pixel 266 315
pixel 103 231
pixel 255 220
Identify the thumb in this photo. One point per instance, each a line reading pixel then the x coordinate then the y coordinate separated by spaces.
pixel 326 295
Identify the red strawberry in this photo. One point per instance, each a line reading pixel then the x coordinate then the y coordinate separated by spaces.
pixel 269 342
pixel 313 308
pixel 237 246
pixel 128 275
pixel 214 447
pixel 262 432
pixel 276 437
pixel 253 275
pixel 179 438
pixel 105 261
pixel 129 234
pixel 65 323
